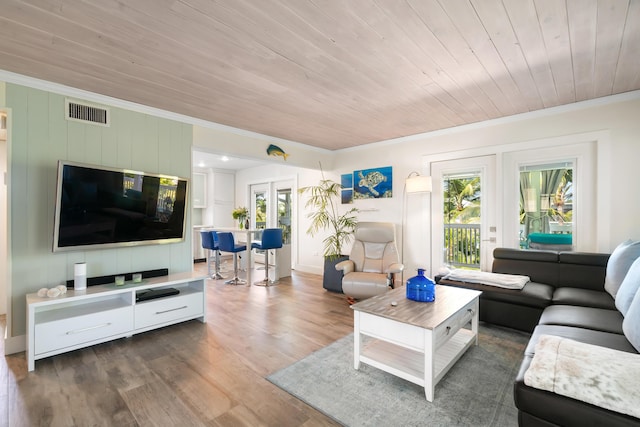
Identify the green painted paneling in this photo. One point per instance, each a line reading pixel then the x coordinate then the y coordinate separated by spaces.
pixel 40 137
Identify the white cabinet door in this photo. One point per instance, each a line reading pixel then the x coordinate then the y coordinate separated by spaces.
pixel 223 198
pixel 199 190
pixel 165 311
pixel 77 330
pixel 223 187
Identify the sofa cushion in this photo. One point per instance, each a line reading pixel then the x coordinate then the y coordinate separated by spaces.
pixel 594 374
pixel 551 238
pixel 619 262
pixel 628 288
pixel 582 270
pixel 533 294
pixel 584 258
pixel 550 247
pixel 520 317
pixel 631 323
pixel 545 408
pixel 510 253
pixel 583 297
pixel 589 336
pixel 598 319
pixel 540 266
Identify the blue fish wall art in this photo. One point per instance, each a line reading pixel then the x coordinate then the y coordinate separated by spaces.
pixel 274 150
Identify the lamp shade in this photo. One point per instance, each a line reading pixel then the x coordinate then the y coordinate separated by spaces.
pixel 418 184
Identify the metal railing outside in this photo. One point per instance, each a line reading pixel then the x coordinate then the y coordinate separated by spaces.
pixel 462 245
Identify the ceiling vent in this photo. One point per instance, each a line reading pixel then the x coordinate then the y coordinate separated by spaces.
pixel 86 113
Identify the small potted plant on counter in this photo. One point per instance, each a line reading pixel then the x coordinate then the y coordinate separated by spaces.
pixel 240 215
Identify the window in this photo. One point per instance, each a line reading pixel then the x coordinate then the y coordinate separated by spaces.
pixel 284 214
pixel 546 206
pixel 462 214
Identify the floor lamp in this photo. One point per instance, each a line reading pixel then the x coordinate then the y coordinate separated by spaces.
pixel 414 183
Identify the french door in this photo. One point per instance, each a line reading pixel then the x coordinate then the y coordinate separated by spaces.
pixel 259 206
pixel 463 213
pixel 271 207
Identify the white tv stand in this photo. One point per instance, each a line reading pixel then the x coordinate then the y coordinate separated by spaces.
pixel 103 313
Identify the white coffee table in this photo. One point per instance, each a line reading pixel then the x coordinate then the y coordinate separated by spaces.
pixel 416 341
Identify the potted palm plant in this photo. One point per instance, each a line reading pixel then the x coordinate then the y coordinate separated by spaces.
pixel 324 216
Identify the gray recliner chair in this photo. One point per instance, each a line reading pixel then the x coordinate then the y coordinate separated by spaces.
pixel 372 262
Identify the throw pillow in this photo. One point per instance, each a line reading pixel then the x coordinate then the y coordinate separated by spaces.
pixel 631 323
pixel 628 288
pixel 619 262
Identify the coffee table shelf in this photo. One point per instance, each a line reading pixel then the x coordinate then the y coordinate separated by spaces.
pixel 409 364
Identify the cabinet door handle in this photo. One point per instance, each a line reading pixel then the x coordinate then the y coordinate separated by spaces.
pixel 171 309
pixel 77 331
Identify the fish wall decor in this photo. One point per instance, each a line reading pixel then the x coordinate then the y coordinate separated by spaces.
pixel 274 150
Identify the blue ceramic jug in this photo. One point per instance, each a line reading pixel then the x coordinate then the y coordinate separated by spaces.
pixel 421 288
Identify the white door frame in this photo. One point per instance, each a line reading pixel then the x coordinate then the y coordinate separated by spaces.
pixel 271 188
pixel 485 166
pixel 585 206
pixel 260 188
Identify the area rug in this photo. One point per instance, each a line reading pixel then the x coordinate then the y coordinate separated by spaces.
pixel 477 391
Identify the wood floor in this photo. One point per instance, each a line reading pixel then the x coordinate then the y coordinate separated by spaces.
pixel 191 374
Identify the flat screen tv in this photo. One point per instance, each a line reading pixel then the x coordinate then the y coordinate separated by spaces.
pixel 99 207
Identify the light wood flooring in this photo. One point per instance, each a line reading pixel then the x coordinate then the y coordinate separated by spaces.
pixel 190 374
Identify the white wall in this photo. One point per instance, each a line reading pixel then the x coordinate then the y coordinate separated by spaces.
pixel 4 274
pixel 303 162
pixel 3 228
pixel 617 117
pixel 253 146
pixel 40 137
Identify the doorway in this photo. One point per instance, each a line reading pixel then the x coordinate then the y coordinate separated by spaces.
pixel 4 213
pixel 260 203
pixel 272 207
pixel 464 215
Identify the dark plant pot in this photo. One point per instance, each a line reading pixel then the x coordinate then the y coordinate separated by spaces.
pixel 332 278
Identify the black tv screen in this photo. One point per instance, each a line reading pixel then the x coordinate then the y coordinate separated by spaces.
pixel 100 207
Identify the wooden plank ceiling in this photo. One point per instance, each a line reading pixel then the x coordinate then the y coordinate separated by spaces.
pixel 330 73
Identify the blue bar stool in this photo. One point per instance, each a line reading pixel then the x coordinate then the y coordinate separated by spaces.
pixel 210 243
pixel 226 243
pixel 271 239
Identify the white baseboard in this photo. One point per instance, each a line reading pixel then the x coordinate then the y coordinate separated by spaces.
pixel 14 345
pixel 312 269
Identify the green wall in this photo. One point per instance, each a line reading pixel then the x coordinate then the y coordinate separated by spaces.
pixel 40 137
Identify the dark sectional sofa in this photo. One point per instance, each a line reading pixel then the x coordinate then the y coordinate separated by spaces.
pixel 566 298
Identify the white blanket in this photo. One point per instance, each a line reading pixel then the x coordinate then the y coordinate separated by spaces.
pixel 597 375
pixel 509 281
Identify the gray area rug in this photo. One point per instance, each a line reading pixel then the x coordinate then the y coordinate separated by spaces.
pixel 477 391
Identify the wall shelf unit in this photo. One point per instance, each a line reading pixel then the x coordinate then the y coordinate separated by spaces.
pixel 103 313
